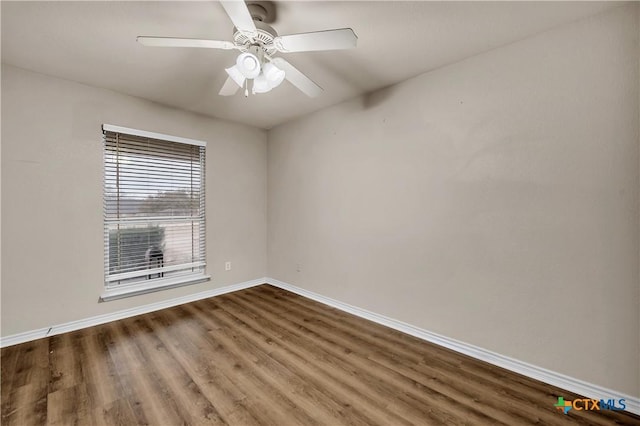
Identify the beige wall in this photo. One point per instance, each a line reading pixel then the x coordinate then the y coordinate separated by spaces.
pixel 494 201
pixel 52 241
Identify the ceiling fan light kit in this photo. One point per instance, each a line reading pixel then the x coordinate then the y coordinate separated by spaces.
pixel 258 43
pixel 251 65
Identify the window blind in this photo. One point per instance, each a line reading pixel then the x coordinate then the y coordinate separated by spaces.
pixel 154 207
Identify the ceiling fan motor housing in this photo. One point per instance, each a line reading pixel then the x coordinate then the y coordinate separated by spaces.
pixel 265 37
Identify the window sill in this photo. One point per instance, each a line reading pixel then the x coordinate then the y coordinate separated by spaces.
pixel 156 285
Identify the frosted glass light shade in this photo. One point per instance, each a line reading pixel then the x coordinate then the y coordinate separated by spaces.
pixel 248 64
pixel 261 84
pixel 236 75
pixel 274 75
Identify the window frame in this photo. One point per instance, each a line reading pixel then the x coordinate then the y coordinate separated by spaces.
pixel 112 292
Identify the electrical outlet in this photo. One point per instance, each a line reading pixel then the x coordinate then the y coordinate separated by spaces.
pixel 227 266
pixel 298 267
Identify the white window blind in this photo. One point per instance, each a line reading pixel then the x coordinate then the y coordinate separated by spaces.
pixel 154 208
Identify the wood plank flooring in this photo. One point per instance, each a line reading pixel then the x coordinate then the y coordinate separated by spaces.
pixel 264 356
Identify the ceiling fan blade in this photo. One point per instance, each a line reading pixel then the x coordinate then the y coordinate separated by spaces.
pixel 240 16
pixel 343 38
pixel 295 77
pixel 229 88
pixel 184 42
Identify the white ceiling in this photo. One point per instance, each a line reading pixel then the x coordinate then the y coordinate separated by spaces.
pixel 94 42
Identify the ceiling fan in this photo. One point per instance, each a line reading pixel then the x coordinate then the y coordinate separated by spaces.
pixel 258 43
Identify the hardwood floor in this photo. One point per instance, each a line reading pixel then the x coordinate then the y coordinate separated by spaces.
pixel 265 356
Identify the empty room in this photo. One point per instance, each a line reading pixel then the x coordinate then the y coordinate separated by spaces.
pixel 320 213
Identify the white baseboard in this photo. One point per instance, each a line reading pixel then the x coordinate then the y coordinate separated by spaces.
pixel 102 319
pixel 571 384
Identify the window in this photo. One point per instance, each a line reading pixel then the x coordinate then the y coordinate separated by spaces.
pixel 154 211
